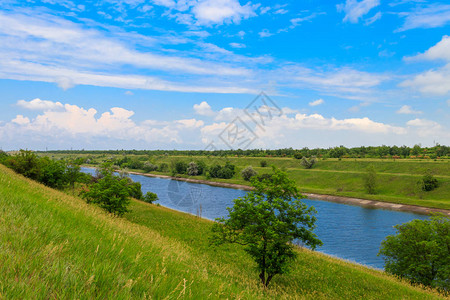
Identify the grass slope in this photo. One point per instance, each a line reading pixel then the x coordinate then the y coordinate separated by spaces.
pixel 53 245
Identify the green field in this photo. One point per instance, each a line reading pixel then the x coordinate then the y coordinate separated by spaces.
pixel 397 179
pixel 53 245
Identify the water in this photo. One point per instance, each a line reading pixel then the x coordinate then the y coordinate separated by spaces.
pixel 349 232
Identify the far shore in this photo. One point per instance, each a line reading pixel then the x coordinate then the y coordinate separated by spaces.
pixel 338 199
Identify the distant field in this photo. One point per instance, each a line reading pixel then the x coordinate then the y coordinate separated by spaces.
pixel 53 245
pixel 397 179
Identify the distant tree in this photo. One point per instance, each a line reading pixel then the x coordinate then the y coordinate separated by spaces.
pixel 149 167
pixel 180 167
pixel 428 182
pixel 73 174
pixel 164 167
pixel 370 180
pixel 266 222
pixel 308 163
pixel 248 173
pixel 263 163
pixel 26 163
pixel 420 252
pixel 192 169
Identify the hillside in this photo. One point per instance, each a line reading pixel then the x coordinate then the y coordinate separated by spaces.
pixel 53 245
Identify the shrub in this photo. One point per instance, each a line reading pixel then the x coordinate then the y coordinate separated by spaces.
pixel 150 197
pixel 428 182
pixel 110 193
pixel 180 167
pixel 420 252
pixel 370 180
pixel 163 167
pixel 134 189
pixel 201 166
pixel 192 169
pixel 248 173
pixel 225 172
pixel 263 163
pixel 308 163
pixel 149 167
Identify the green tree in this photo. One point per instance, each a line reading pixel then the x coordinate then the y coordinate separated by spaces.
pixel 266 222
pixel 428 182
pixel 110 193
pixel 150 197
pixel 370 180
pixel 308 163
pixel 420 252
pixel 248 173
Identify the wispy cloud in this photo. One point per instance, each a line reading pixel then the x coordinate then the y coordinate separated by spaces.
pixel 430 16
pixel 355 10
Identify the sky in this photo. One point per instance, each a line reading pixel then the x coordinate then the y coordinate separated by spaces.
pixel 221 74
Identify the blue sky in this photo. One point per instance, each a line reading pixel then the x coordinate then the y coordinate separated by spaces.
pixel 173 74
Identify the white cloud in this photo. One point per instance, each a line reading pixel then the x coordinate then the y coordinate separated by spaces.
pixel 209 12
pixel 435 82
pixel 440 51
pixel 406 109
pixel 354 9
pixel 38 104
pixel 237 45
pixel 316 102
pixel 431 16
pixel 203 109
pixel 264 33
pixel 373 19
pixel 21 120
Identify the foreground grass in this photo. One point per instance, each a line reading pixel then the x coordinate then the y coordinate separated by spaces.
pixel 53 245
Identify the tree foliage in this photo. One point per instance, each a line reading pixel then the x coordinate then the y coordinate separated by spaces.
pixel 420 252
pixel 370 180
pixel 428 182
pixel 308 163
pixel 266 222
pixel 248 173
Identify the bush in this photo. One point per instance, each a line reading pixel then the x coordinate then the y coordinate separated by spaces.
pixel 192 169
pixel 134 189
pixel 248 173
pixel 420 252
pixel 26 163
pixel 163 167
pixel 370 180
pixel 428 182
pixel 150 197
pixel 180 167
pixel 110 193
pixel 308 163
pixel 225 172
pixel 263 163
pixel 149 167
pixel 201 166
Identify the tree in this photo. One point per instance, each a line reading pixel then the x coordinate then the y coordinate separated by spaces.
pixel 266 222
pixel 308 163
pixel 192 169
pixel 420 252
pixel 248 173
pixel 110 193
pixel 428 182
pixel 150 197
pixel 370 180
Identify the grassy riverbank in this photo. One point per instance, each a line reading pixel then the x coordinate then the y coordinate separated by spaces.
pixel 396 179
pixel 53 245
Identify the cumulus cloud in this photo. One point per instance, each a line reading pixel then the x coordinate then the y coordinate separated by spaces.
pixel 203 109
pixel 38 104
pixel 406 109
pixel 20 120
pixel 316 102
pixel 440 51
pixel 354 10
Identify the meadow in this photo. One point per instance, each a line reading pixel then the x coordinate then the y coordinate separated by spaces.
pixel 397 179
pixel 54 245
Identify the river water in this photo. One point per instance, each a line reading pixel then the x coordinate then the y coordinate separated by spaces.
pixel 347 231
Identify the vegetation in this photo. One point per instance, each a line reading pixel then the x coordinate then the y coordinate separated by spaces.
pixel 226 172
pixel 428 182
pixel 150 197
pixel 267 221
pixel 370 180
pixel 420 252
pixel 396 178
pixel 54 245
pixel 308 163
pixel 248 173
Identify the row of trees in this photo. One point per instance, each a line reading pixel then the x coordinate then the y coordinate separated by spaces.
pixel 333 152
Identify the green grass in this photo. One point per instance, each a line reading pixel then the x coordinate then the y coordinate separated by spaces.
pixel 53 245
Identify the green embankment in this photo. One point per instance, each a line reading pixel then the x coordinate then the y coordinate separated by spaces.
pixel 53 245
